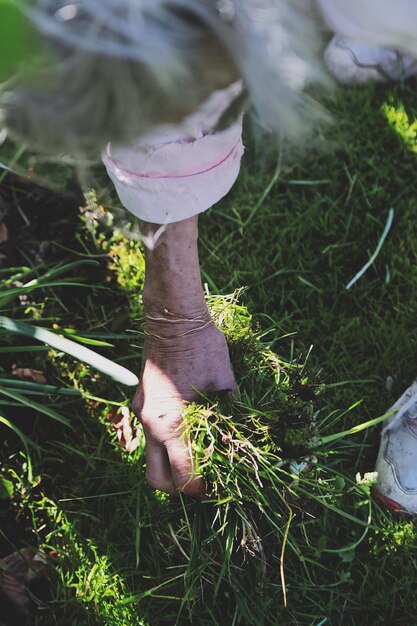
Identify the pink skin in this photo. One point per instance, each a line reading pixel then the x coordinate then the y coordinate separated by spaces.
pixel 184 354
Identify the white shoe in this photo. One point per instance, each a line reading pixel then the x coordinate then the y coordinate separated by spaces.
pixel 352 62
pixel 396 486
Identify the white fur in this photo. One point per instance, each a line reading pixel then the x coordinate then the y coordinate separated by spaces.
pixel 123 66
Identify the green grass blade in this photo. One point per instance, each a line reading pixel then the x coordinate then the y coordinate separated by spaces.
pixel 117 372
pixel 25 440
pixel 356 429
pixel 31 386
pixel 377 251
pixel 36 406
pixel 11 349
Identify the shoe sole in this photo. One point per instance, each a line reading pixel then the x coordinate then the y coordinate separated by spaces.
pixel 392 505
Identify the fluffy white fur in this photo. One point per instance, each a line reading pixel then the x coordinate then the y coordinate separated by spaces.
pixel 122 66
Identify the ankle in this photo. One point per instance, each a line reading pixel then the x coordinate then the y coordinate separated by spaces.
pixel 165 325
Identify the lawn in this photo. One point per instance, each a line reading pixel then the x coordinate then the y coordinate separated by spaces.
pixel 289 532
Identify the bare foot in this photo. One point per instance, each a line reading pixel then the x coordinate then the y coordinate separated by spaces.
pixel 180 360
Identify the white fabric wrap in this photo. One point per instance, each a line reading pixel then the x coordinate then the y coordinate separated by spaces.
pixel 389 23
pixel 177 171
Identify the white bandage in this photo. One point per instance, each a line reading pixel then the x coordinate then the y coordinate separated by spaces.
pixel 177 171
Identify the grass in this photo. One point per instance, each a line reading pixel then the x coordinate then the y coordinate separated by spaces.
pixel 272 544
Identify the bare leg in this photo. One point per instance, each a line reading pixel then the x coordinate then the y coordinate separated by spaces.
pixel 184 354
